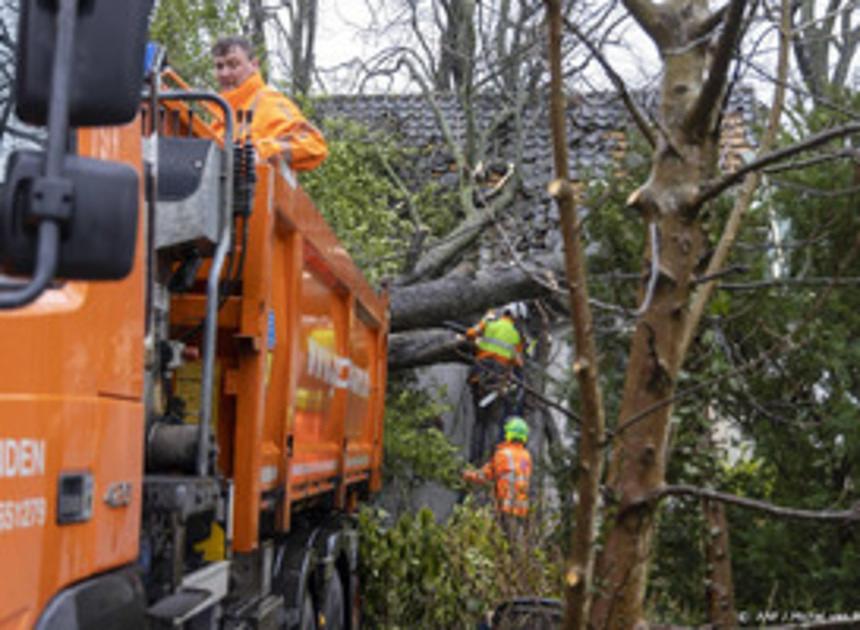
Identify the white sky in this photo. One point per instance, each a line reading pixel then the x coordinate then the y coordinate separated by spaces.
pixel 344 36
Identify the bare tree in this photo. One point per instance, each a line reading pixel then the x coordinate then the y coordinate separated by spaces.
pixel 12 130
pixel 456 46
pixel 302 43
pixel 825 43
pixel 696 46
pixel 578 578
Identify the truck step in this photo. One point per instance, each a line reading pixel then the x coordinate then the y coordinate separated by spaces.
pixel 175 609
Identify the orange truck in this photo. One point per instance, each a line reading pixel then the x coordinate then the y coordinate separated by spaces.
pixel 193 370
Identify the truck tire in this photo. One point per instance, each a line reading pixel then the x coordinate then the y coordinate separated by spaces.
pixel 332 605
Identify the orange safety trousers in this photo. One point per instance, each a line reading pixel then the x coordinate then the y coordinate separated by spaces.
pixel 510 469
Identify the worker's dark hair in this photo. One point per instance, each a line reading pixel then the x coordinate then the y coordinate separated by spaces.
pixel 224 44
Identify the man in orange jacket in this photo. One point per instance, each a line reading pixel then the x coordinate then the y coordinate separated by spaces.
pixel 277 127
pixel 510 469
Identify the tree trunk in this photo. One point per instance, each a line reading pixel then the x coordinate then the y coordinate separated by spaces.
pixel 456 47
pixel 818 37
pixel 639 451
pixel 685 156
pixel 580 571
pixel 431 303
pixel 303 28
pixel 257 34
pixel 720 587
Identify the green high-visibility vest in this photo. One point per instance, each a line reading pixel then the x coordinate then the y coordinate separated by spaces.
pixel 500 338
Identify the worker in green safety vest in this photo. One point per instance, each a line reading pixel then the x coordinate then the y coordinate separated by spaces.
pixel 496 378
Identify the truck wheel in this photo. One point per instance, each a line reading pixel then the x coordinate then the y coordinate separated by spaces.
pixel 333 606
pixel 308 620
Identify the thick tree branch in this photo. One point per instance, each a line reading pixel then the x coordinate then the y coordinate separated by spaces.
pixel 579 575
pixel 425 347
pixel 743 201
pixel 648 16
pixel 851 516
pixel 712 189
pixel 701 114
pixel 428 304
pixel 454 243
pixel 850 41
pixel 818 159
pixel 706 26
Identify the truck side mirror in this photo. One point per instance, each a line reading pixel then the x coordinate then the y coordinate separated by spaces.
pixel 98 240
pixel 79 62
pixel 107 64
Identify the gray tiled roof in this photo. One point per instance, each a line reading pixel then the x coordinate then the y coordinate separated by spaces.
pixel 598 127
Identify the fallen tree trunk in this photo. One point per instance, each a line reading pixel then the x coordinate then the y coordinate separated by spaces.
pixel 430 304
pixel 426 347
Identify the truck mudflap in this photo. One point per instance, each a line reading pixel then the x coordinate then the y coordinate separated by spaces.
pixel 110 600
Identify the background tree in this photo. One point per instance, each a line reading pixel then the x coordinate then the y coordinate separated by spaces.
pixel 825 43
pixel 187 30
pixel 12 131
pixel 292 27
pixel 671 201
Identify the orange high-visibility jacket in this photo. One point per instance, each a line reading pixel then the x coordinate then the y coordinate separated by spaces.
pixel 276 124
pixel 511 469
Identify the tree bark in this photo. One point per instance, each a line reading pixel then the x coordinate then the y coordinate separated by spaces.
pixel 819 36
pixel 720 587
pixel 456 47
pixel 302 41
pixel 257 24
pixel 580 571
pixel 429 304
pixel 685 156
pixel 426 347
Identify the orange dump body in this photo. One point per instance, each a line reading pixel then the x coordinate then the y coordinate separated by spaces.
pixel 302 358
pixel 302 361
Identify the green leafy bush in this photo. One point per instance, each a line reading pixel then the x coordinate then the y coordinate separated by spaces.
pixel 357 197
pixel 418 573
pixel 415 449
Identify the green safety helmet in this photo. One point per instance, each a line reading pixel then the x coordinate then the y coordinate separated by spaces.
pixel 516 429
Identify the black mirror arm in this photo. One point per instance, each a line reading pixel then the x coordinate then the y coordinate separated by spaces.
pixel 51 200
pixel 46 263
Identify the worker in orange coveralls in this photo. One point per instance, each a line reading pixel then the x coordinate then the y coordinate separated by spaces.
pixel 277 127
pixel 511 469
